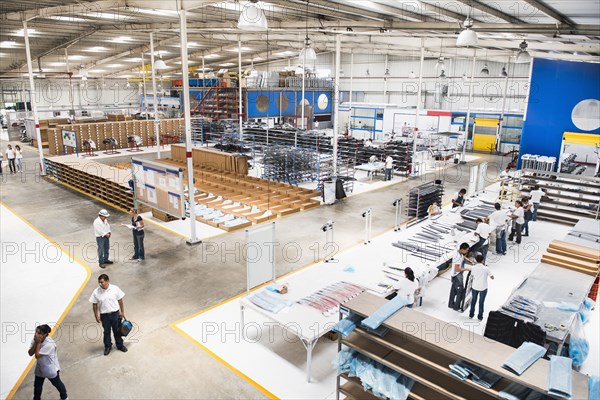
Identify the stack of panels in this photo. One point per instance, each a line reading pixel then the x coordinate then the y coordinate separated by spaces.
pixel 421 197
pixel 212 159
pixel 572 256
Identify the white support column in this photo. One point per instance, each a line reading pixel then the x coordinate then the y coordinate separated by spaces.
pixel 302 125
pixel 336 101
pixel 188 125
pixel 385 80
pixel 32 99
pixel 499 133
pixel 144 86
pixel 418 109
pixel 156 119
pixel 351 79
pixel 468 118
pixel 241 111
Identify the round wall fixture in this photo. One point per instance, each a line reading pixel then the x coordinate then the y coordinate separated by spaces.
pixel 586 115
pixel 304 102
pixel 282 102
pixel 262 103
pixel 322 102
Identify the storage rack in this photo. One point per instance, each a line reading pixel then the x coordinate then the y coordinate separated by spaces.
pixel 293 165
pixel 413 348
pixel 567 197
pixel 421 197
pixel 216 103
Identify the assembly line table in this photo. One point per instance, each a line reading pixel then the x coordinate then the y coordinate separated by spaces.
pixel 372 168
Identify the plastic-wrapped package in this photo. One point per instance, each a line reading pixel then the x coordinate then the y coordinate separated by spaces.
pixel 579 347
pixel 594 387
pixel 589 303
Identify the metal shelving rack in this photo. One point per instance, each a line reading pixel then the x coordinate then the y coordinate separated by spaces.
pixel 420 197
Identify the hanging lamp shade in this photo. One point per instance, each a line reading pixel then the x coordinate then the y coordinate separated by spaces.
pixel 467 37
pixel 307 53
pixel 523 55
pixel 160 64
pixel 412 75
pixel 504 73
pixel 252 18
pixel 485 70
pixel 443 74
pixel 439 66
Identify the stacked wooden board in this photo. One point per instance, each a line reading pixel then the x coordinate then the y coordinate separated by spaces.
pixel 170 131
pixel 212 159
pixel 573 256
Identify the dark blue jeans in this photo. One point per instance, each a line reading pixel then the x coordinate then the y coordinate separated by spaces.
pixel 103 248
pixel 501 242
pixel 110 321
pixel 38 383
pixel 474 295
pixel 457 292
pixel 525 228
pixel 138 246
pixel 388 174
pixel 535 210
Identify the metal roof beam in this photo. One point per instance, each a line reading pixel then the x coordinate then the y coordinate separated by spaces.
pixel 84 8
pixel 563 19
pixel 492 11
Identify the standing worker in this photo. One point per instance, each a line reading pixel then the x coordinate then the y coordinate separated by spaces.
pixel 457 290
pixel 389 163
pixel 102 232
pixel 137 224
pixel 479 287
pixel 498 222
pixel 536 199
pixel 107 303
pixel 527 214
pixel 10 156
pixel 518 217
pixel 43 347
pixel 459 199
pixel 483 233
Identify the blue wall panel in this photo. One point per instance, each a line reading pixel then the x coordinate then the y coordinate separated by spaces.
pixel 293 98
pixel 556 88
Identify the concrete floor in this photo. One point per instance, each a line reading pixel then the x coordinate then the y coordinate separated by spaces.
pixel 174 282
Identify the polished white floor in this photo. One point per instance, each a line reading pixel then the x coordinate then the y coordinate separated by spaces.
pixel 38 283
pixel 276 360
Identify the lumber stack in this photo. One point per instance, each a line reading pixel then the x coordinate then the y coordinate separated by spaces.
pixel 573 256
pixel 212 159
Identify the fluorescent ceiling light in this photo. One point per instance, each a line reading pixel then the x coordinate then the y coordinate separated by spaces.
pixel 132 60
pixel 114 65
pixel 7 44
pixel 97 71
pixel 226 64
pixel 190 44
pixel 30 32
pixel 160 53
pixel 66 18
pixel 213 56
pixel 54 64
pixel 162 13
pixel 77 57
pixel 96 49
pixel 109 15
pixel 121 39
pixel 235 50
pixel 285 53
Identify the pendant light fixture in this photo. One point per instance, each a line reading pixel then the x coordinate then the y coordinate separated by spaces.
pixel 307 53
pixel 159 64
pixel 412 75
pixel 465 77
pixel 467 37
pixel 439 65
pixel 504 73
pixel 252 18
pixel 443 75
pixel 523 55
pixel 485 71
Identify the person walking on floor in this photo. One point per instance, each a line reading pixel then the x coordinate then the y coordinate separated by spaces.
pixel 19 158
pixel 536 198
pixel 498 222
pixel 102 232
pixel 479 286
pixel 457 290
pixel 10 156
pixel 527 214
pixel 459 199
pixel 389 164
pixel 43 347
pixel 137 227
pixel 518 217
pixel 108 306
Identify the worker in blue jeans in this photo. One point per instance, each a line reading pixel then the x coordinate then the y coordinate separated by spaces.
pixel 479 287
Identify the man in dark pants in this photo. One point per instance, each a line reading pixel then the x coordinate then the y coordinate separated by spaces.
pixel 457 290
pixel 109 309
pixel 102 232
pixel 43 348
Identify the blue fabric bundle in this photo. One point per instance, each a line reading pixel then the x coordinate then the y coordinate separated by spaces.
pixel 560 376
pixel 269 301
pixel 347 325
pixel 588 303
pixel 384 312
pixel 463 370
pixel 593 387
pixel 523 357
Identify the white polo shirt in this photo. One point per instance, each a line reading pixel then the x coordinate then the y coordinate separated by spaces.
pixel 520 213
pixel 47 365
pixel 101 228
pixel 480 274
pixel 389 162
pixel 498 218
pixel 536 195
pixel 457 258
pixel 406 289
pixel 107 299
pixel 483 230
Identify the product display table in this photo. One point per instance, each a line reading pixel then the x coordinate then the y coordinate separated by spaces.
pixel 371 168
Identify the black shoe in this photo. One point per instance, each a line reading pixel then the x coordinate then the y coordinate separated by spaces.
pixel 102 266
pixel 123 348
pixel 108 262
pixel 134 258
pixel 527 234
pixel 107 350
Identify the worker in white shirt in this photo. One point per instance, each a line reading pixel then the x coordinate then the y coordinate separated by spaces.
pixel 504 175
pixel 479 287
pixel 408 286
pixel 518 217
pixel 457 290
pixel 459 199
pixel 389 163
pixel 483 233
pixel 536 198
pixel 102 232
pixel 498 223
pixel 434 209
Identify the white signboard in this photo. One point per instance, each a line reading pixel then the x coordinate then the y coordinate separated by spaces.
pixel 69 138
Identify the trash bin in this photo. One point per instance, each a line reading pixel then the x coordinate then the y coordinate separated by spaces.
pixel 328 192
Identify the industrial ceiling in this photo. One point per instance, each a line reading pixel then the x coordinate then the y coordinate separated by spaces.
pixel 108 38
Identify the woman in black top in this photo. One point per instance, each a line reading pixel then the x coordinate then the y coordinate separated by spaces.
pixel 138 235
pixel 459 201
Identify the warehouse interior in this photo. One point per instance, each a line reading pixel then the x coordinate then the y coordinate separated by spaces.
pixel 293 166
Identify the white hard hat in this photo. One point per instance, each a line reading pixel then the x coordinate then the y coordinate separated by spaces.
pixel 104 213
